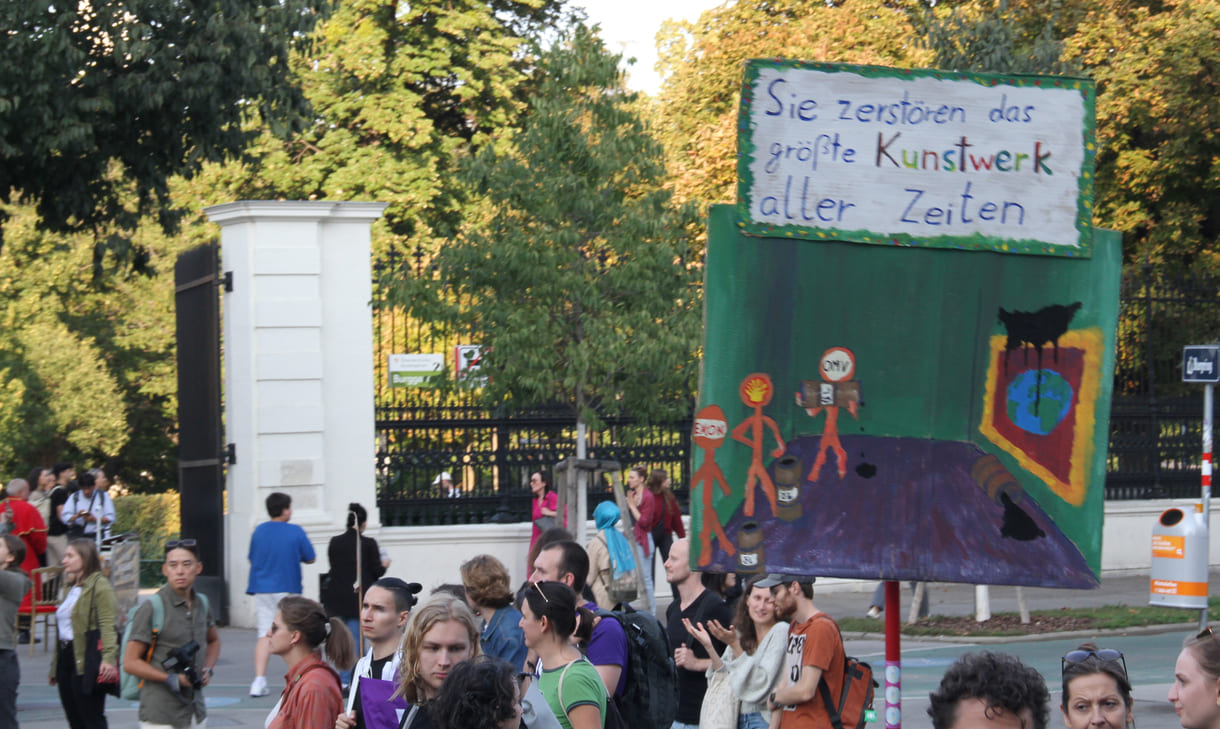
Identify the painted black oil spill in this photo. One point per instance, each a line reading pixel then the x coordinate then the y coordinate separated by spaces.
pixel 1018 524
pixel 1036 330
pixel 866 470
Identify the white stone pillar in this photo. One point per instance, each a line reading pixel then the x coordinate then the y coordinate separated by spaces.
pixel 298 359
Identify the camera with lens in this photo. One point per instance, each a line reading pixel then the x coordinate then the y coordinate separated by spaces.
pixel 182 660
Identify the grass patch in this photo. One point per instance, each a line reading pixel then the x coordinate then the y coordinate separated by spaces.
pixel 1106 617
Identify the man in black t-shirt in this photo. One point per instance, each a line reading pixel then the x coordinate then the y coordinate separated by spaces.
pixel 699 605
pixel 57 530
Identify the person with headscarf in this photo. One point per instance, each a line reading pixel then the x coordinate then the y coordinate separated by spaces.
pixel 609 555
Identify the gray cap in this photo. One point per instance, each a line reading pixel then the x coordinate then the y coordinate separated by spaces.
pixel 774 579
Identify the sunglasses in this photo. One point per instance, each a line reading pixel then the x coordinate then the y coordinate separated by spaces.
pixel 178 543
pixel 1105 655
pixel 1205 633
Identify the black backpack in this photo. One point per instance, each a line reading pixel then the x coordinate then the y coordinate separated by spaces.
pixel 650 694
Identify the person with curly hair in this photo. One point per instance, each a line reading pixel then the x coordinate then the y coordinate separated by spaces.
pixel 990 691
pixel 480 694
pixel 487 590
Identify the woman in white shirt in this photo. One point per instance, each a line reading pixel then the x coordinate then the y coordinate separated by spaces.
pixel 753 654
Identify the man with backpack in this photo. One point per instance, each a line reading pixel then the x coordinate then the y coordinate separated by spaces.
pixel 168 658
pixel 567 562
pixel 814 654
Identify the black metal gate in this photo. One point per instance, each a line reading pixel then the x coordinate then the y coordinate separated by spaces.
pixel 200 457
pixel 1155 421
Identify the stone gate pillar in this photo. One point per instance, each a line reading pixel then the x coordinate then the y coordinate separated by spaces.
pixel 298 372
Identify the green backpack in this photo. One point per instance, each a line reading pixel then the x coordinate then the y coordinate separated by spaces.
pixel 129 685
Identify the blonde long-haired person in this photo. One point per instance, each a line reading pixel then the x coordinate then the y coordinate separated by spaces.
pixel 571 685
pixel 312 697
pixel 89 604
pixel 1096 690
pixel 441 634
pixel 1195 693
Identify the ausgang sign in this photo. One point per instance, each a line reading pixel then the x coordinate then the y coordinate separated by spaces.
pixel 916 157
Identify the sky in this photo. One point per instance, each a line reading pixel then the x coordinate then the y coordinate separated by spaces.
pixel 630 27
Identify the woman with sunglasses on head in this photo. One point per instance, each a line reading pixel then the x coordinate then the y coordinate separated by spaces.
pixel 89 604
pixel 1195 693
pixel 312 697
pixel 1096 689
pixel 572 686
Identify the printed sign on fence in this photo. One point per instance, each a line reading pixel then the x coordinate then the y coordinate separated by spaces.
pixel 916 157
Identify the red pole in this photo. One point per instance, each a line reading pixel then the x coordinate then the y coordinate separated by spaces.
pixel 893 656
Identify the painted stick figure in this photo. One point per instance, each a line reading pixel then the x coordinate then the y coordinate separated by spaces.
pixel 837 366
pixel 756 391
pixel 710 427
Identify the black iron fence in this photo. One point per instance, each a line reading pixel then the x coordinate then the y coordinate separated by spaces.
pixel 1155 420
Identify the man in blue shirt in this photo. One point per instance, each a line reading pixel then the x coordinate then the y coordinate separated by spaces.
pixel 277 550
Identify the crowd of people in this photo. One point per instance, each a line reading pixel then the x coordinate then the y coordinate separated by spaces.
pixel 478 654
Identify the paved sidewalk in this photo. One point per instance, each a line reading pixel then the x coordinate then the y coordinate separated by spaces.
pixel 230 706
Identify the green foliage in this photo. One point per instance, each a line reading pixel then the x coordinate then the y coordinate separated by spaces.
pixel 86 354
pixel 399 91
pixel 576 273
pixel 1158 162
pixel 997 38
pixel 154 517
pixel 154 86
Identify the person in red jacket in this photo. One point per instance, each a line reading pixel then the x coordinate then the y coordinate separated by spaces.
pixel 26 523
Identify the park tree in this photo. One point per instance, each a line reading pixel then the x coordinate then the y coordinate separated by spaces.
pixel 1158 160
pixel 702 64
pixel 87 351
pixel 399 91
pixel 1022 36
pixel 101 98
pixel 575 270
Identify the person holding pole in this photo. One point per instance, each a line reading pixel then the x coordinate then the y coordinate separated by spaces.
pixel 352 570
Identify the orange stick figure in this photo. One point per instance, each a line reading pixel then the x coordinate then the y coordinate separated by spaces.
pixel 709 430
pixel 756 391
pixel 842 364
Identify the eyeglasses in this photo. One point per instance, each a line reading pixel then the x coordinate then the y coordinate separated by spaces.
pixel 538 587
pixel 1105 655
pixel 177 543
pixel 1205 633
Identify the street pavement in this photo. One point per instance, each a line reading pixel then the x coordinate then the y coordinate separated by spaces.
pixel 1150 658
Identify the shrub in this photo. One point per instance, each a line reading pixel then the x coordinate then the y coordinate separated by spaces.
pixel 155 518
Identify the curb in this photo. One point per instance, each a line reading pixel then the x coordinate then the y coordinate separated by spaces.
pixel 1064 635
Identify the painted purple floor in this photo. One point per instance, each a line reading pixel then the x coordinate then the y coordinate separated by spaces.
pixel 907 509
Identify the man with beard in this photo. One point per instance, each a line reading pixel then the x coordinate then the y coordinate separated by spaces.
pixel 814 653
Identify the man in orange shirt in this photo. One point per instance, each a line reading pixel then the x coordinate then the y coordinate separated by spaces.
pixel 814 653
